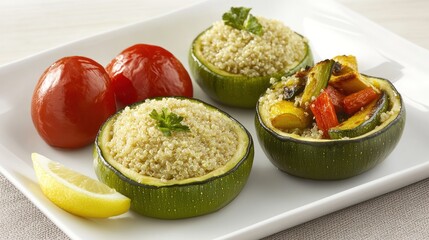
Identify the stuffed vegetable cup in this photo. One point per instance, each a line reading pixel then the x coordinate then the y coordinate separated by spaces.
pixel 234 59
pixel 174 157
pixel 329 121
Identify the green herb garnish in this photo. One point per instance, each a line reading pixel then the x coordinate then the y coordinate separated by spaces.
pixel 239 18
pixel 168 121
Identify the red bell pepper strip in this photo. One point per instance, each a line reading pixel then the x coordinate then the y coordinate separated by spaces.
pixel 354 102
pixel 324 111
pixel 337 98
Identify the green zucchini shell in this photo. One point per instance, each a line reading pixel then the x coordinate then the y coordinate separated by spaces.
pixel 338 158
pixel 234 89
pixel 182 199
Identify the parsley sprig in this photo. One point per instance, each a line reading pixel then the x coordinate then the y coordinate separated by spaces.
pixel 239 18
pixel 168 121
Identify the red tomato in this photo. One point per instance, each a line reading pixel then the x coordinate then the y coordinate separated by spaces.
pixel 71 101
pixel 145 71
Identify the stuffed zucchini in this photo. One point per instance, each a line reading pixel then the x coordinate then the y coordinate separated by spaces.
pixel 174 157
pixel 234 59
pixel 339 123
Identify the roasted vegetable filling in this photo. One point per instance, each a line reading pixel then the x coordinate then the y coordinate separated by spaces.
pixel 331 100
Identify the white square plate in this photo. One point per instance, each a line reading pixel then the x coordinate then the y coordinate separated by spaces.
pixel 272 200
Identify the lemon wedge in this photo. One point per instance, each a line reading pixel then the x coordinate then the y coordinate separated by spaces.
pixel 77 193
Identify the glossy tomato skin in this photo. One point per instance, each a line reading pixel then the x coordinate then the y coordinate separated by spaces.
pixel 70 102
pixel 146 71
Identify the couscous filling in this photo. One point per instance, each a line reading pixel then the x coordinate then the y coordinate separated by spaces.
pixel 241 52
pixel 137 143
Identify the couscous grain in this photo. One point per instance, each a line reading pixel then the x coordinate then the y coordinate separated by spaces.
pixel 241 52
pixel 137 143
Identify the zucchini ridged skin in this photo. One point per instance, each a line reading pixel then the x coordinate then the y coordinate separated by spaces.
pixel 178 201
pixel 330 159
